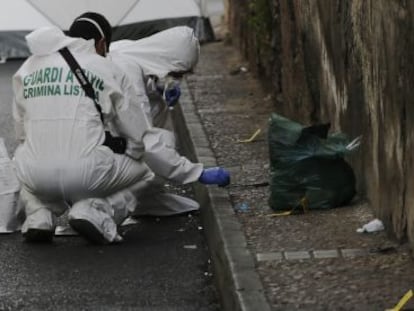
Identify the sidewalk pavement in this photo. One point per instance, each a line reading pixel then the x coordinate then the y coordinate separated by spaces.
pixel 314 261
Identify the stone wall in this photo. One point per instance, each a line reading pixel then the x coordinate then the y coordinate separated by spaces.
pixel 351 63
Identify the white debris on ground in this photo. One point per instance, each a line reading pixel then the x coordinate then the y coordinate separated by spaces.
pixel 373 226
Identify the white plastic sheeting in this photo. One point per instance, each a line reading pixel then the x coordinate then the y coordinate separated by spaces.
pixel 131 19
pixel 62 13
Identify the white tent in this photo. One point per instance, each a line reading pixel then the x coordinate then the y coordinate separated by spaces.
pixel 132 19
pixel 16 18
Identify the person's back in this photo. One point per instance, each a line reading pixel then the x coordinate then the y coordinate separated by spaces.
pixel 63 158
pixel 171 52
pixel 55 105
pixel 63 132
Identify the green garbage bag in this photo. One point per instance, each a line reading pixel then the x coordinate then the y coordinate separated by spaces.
pixel 307 165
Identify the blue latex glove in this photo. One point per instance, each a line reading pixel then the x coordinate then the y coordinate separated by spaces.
pixel 215 176
pixel 171 95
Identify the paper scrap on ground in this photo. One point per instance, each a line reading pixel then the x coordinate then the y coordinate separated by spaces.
pixel 242 207
pixel 373 226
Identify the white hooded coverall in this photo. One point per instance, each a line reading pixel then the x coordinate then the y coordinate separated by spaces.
pixel 61 157
pixel 172 50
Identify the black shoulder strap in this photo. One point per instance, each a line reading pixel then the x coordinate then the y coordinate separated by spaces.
pixel 81 77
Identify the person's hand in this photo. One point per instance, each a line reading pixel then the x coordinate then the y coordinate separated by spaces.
pixel 171 95
pixel 215 176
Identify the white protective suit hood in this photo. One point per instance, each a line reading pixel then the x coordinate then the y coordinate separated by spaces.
pixel 175 49
pixel 48 40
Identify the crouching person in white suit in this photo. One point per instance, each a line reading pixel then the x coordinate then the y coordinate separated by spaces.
pixel 152 64
pixel 62 161
pixel 145 62
pixel 173 50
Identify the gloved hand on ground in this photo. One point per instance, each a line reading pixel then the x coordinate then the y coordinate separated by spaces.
pixel 171 95
pixel 215 176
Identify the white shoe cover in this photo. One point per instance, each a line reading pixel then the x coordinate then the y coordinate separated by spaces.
pixel 94 216
pixel 42 219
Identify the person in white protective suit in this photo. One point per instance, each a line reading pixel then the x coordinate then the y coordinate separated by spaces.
pixel 172 51
pixel 161 57
pixel 62 159
pixel 155 66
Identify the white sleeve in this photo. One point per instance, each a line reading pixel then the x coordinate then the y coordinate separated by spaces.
pixel 160 153
pixel 162 157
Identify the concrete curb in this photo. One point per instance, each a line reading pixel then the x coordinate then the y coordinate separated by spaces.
pixel 236 277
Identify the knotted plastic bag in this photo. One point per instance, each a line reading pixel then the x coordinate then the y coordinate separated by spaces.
pixel 307 166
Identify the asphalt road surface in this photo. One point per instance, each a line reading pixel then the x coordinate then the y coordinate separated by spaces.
pixel 162 265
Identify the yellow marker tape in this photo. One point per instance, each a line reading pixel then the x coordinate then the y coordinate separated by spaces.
pixel 303 203
pixel 403 301
pixel 280 214
pixel 251 138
